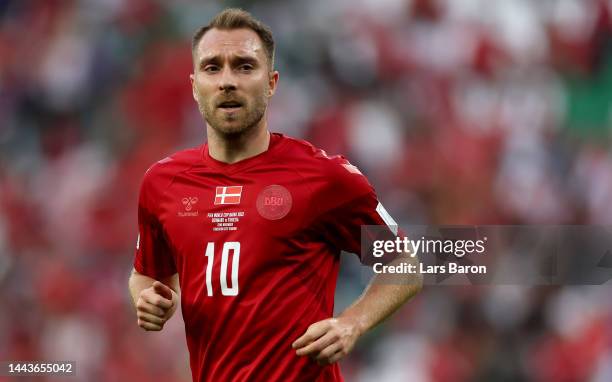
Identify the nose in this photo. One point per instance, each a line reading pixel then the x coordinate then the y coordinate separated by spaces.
pixel 227 81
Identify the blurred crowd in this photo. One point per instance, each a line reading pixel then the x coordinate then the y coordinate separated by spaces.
pixel 458 111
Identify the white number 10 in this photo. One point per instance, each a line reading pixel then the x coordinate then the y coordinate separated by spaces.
pixel 233 246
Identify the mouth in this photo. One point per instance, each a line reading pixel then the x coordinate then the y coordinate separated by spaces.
pixel 230 105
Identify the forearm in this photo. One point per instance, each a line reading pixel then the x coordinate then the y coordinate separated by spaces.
pixel 383 297
pixel 138 282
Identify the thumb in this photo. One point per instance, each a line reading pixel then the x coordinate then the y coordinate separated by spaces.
pixel 162 289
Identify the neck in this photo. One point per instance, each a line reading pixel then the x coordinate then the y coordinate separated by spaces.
pixel 232 149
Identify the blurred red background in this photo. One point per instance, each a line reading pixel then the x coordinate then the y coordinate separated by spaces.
pixel 459 112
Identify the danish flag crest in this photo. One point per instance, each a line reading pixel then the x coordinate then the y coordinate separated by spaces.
pixel 228 195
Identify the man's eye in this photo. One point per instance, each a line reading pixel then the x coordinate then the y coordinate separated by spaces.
pixel 211 68
pixel 246 67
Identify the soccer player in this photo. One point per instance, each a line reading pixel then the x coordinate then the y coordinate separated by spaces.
pixel 247 229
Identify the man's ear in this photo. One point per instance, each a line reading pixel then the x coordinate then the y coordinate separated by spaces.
pixel 193 89
pixel 272 82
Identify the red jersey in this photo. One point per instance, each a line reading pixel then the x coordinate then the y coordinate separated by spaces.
pixel 256 245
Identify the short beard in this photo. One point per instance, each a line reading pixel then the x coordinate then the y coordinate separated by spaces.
pixel 249 122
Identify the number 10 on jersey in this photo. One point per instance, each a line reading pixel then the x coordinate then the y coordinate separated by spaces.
pixel 229 246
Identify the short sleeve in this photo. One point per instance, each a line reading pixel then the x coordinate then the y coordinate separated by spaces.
pixel 347 204
pixel 153 255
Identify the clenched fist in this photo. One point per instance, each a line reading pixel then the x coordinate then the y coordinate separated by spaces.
pixel 155 306
pixel 329 340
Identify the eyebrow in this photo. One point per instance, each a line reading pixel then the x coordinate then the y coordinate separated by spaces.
pixel 235 59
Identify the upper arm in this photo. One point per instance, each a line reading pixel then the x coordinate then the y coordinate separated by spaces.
pixel 348 203
pixel 153 255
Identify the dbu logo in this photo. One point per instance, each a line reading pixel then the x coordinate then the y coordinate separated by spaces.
pixel 273 201
pixel 189 202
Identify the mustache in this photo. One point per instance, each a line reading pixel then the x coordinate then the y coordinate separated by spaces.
pixel 229 98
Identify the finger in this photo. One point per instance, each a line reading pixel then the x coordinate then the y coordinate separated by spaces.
pixel 316 346
pixel 314 331
pixel 147 317
pixel 336 357
pixel 157 300
pixel 148 325
pixel 143 306
pixel 326 354
pixel 163 290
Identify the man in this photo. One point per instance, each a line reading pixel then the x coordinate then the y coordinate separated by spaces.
pixel 251 226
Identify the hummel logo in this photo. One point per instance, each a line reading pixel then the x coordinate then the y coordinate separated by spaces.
pixel 188 202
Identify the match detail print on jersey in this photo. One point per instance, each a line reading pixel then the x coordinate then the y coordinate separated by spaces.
pixel 384 215
pixel 228 195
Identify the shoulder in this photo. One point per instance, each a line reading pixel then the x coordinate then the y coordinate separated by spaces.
pixel 333 172
pixel 303 152
pixel 161 173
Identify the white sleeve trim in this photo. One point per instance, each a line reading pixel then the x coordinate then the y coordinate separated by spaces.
pixel 384 215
